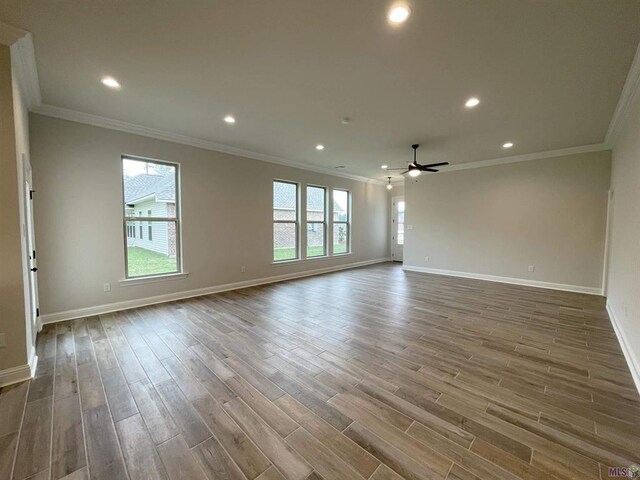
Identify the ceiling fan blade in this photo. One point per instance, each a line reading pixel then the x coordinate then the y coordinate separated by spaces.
pixel 425 169
pixel 406 171
pixel 436 164
pixel 400 168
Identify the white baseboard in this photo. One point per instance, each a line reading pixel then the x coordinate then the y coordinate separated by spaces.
pixel 15 375
pixel 632 361
pixel 141 302
pixel 514 281
pixel 20 373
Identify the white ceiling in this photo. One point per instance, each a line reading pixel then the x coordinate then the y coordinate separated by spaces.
pixel 548 73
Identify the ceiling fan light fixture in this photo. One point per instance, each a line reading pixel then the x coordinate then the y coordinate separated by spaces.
pixel 389 186
pixel 414 172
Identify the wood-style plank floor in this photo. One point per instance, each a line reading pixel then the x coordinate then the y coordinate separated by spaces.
pixel 369 373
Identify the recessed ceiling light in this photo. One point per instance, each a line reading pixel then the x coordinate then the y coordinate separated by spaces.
pixel 507 145
pixel 345 121
pixel 110 82
pixel 384 167
pixel 472 102
pixel 229 119
pixel 319 147
pixel 399 14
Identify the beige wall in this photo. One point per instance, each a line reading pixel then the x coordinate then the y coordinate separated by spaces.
pixel 12 313
pixel 623 291
pixel 226 214
pixel 499 220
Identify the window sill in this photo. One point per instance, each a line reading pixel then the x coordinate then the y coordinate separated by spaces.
pixel 130 282
pixel 312 259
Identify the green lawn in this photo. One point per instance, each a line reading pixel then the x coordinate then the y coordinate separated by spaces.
pixel 144 262
pixel 290 253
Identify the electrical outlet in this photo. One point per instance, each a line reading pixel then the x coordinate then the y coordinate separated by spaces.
pixel 3 340
pixel 532 268
pixel 243 269
pixel 426 259
pixel 107 287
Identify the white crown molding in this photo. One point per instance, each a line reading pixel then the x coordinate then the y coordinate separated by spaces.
pixel 104 122
pixel 141 302
pixel 625 345
pixel 24 65
pixel 629 92
pixel 9 34
pixel 526 157
pixel 511 280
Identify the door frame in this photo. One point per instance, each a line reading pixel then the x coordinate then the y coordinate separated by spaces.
pixel 35 322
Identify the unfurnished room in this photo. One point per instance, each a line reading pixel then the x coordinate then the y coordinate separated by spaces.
pixel 319 240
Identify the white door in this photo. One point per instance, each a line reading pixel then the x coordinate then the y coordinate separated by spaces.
pixel 397 228
pixel 32 259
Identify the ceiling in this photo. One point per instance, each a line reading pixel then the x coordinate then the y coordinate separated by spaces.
pixel 548 73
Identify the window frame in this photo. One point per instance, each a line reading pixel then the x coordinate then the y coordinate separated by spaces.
pixel 296 222
pixel 346 223
pixel 177 220
pixel 324 223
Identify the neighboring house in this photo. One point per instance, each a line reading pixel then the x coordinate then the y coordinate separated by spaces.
pixel 151 196
pixel 284 205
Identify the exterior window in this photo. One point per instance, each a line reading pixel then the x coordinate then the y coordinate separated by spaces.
pixel 400 222
pixel 151 187
pixel 316 222
pixel 341 222
pixel 286 223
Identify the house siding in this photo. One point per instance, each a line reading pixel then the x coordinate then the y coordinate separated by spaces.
pixel 160 241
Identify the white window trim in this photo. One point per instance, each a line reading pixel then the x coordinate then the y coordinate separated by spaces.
pixel 325 222
pixel 297 222
pixel 130 282
pixel 347 222
pixel 177 220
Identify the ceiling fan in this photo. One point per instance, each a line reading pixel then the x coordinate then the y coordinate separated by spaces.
pixel 415 168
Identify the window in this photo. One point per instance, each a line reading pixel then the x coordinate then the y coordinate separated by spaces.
pixel 151 187
pixel 400 236
pixel 316 222
pixel 285 221
pixel 341 222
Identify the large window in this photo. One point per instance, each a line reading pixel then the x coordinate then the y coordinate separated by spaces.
pixel 285 221
pixel 153 188
pixel 316 222
pixel 341 222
